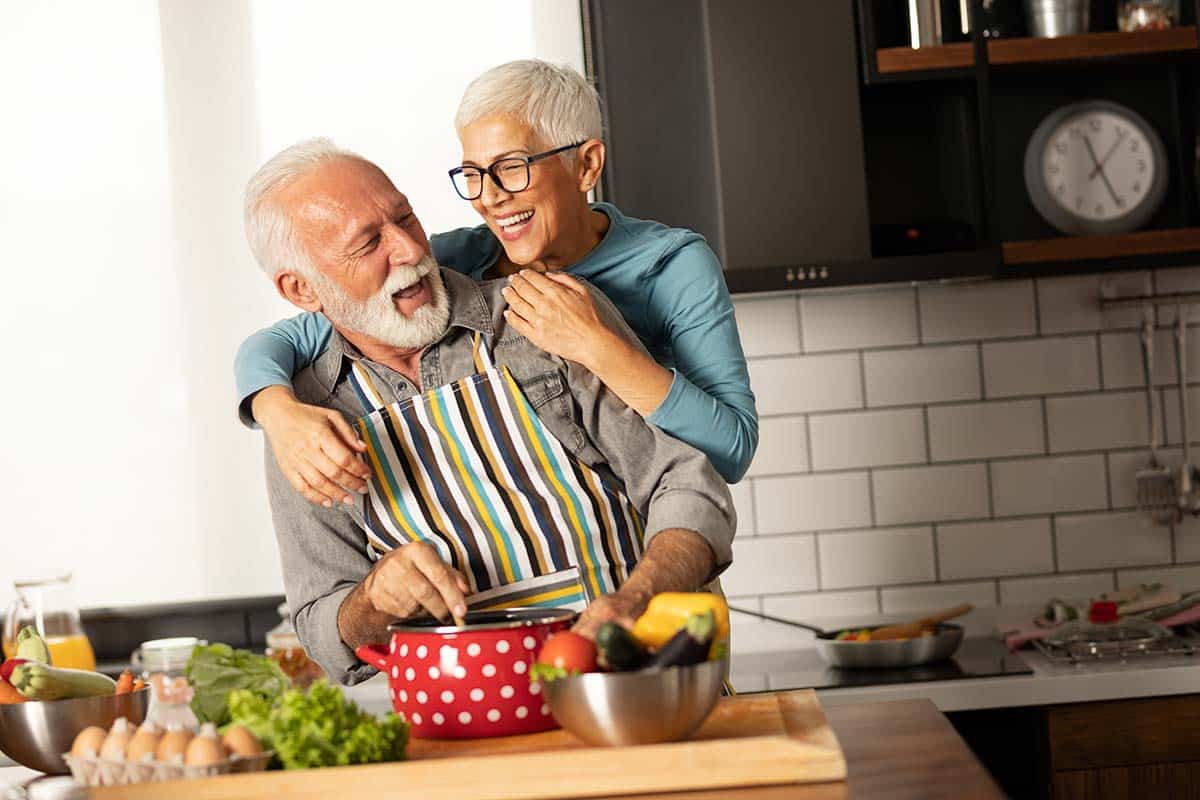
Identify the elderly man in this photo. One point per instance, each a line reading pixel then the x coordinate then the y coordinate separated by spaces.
pixel 502 475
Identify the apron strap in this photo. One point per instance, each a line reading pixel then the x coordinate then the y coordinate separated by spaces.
pixel 483 359
pixel 368 395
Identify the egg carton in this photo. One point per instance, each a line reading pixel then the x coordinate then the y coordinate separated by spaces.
pixel 95 771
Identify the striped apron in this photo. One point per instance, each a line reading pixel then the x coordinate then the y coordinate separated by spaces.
pixel 469 468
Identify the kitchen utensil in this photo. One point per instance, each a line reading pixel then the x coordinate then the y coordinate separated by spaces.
pixel 1185 486
pixel 36 734
pixel 468 681
pixel 1105 632
pixel 1156 483
pixel 906 630
pixel 1053 18
pixel 640 707
pixel 924 23
pixel 871 654
pixel 47 603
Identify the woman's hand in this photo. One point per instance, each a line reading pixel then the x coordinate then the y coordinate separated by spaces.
pixel 555 312
pixel 315 448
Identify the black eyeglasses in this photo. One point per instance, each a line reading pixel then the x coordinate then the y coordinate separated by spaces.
pixel 510 174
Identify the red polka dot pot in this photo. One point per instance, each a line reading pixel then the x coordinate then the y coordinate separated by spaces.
pixel 469 681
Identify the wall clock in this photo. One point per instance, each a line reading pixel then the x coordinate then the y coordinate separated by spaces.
pixel 1096 168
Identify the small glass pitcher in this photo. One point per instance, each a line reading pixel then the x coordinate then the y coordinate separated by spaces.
pixel 48 604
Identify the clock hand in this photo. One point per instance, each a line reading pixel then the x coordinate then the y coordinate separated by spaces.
pixel 1096 171
pixel 1100 169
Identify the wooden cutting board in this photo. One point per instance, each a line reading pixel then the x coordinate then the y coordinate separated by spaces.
pixel 751 740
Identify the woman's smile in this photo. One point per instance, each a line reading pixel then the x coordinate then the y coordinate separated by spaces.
pixel 514 226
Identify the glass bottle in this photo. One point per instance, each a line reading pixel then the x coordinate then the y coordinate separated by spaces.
pixel 48 605
pixel 283 647
pixel 163 663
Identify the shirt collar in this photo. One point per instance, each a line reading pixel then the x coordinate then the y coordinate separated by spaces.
pixel 468 309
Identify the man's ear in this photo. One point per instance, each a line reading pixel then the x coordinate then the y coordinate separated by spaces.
pixel 294 288
pixel 590 161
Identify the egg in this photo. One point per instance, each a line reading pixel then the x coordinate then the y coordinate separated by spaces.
pixel 117 741
pixel 206 749
pixel 242 742
pixel 172 745
pixel 88 743
pixel 144 743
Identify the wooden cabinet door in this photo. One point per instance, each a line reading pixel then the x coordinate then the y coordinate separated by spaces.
pixel 1147 782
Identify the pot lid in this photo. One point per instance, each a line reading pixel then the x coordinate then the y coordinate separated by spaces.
pixel 491 620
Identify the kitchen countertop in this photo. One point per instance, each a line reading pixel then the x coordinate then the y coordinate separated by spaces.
pixel 1047 684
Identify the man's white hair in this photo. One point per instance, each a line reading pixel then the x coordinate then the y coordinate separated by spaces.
pixel 268 228
pixel 555 102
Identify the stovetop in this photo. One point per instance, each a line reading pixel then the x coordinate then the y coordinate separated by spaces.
pixel 978 657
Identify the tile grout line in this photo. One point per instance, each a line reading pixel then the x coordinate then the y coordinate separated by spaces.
pixel 1054 541
pixel 817 560
pixel 1108 479
pixel 879 599
pixel 1045 427
pixel 1100 362
pixel 799 325
pixel 871 496
pixel 996 590
pixel 862 377
pixel 982 375
pixel 1037 308
pixel 987 474
pixel 917 309
pixel 928 435
pixel 937 560
pixel 808 448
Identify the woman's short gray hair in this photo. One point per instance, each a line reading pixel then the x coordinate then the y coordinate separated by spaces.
pixel 556 102
pixel 268 228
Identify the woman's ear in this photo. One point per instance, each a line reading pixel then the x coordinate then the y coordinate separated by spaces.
pixel 591 163
pixel 297 290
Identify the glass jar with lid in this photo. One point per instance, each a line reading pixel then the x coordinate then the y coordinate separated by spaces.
pixel 285 649
pixel 1147 15
pixel 163 663
pixel 47 603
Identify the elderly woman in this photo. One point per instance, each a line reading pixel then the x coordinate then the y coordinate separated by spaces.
pixel 531 151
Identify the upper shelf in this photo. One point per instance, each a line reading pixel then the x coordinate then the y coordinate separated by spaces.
pixel 1003 52
pixel 1088 248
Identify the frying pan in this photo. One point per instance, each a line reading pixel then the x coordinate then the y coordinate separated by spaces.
pixel 874 654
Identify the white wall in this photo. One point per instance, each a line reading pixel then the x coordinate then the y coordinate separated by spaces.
pixel 130 129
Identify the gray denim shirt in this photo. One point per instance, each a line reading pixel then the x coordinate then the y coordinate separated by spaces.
pixel 324 551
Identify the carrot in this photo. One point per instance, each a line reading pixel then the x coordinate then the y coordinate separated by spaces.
pixel 124 683
pixel 138 684
pixel 8 694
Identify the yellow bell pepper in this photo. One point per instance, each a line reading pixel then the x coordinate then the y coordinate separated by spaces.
pixel 669 611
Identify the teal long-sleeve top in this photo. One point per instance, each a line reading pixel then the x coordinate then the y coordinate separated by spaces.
pixel 667 284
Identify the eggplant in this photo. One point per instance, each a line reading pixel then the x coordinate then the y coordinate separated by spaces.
pixel 689 645
pixel 617 650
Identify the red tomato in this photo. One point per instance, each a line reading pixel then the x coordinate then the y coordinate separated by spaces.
pixel 6 669
pixel 570 652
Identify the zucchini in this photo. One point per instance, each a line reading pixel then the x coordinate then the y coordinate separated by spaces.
pixel 617 650
pixel 42 682
pixel 690 644
pixel 31 646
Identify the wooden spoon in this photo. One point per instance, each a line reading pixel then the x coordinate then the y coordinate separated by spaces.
pixel 909 630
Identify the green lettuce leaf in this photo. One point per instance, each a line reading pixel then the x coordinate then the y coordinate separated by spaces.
pixel 217 669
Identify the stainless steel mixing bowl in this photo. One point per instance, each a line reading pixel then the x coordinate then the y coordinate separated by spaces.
pixel 36 734
pixel 642 707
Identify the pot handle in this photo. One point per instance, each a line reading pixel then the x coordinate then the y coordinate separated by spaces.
pixel 374 654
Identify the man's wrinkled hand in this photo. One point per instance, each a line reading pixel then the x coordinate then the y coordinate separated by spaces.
pixel 413 579
pixel 622 607
pixel 315 448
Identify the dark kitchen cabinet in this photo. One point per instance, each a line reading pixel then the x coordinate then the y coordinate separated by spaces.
pixel 813 147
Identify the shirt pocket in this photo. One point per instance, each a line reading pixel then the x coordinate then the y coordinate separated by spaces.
pixel 541 389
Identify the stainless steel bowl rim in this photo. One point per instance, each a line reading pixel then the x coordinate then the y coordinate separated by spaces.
pixel 524 618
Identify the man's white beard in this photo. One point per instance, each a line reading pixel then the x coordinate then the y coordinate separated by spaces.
pixel 378 317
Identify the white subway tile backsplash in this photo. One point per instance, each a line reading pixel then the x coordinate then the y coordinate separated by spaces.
pixel 924 599
pixel 743 504
pixel 768 326
pixel 922 375
pixel 930 494
pixel 992 549
pixel 1097 421
pixel 1035 591
pixel 822 605
pixel 771 565
pixel 986 430
pixel 1173 281
pixel 858 320
pixel 1174 432
pixel 867 438
pixel 876 557
pixel 977 311
pixel 782 447
pixel 1124 466
pixel 1067 305
pixel 1118 539
pixel 812 502
pixel 1122 361
pixel 1187 540
pixel 1048 485
pixel 1184 578
pixel 807 383
pixel 1040 366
